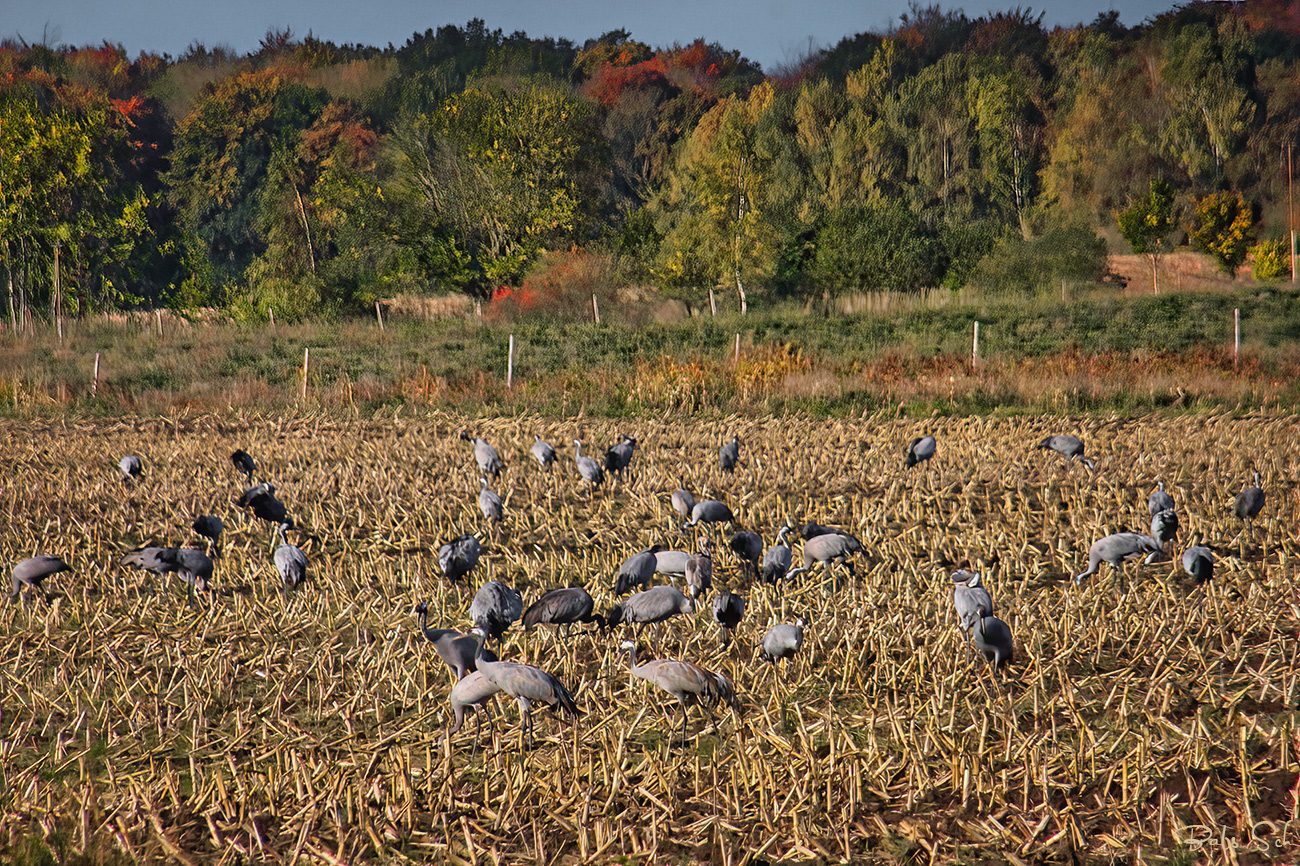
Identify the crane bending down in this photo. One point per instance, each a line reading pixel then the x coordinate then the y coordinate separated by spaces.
pixel 709 511
pixel 33 570
pixel 782 641
pixel 131 467
pixel 527 685
pixel 494 607
pixel 828 549
pixel 1115 549
pixel 1069 447
pixel 210 527
pixel 689 683
pixel 458 557
pixel 1198 561
pixel 456 650
pixel 474 690
pixel 683 501
pixel 543 452
pixel 563 607
pixel 728 610
pixel 921 450
pixel 588 468
pixel 637 570
pixel 992 637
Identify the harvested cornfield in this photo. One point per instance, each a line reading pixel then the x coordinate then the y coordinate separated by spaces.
pixel 1144 718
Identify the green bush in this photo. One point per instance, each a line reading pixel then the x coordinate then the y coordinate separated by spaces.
pixel 1027 267
pixel 1269 260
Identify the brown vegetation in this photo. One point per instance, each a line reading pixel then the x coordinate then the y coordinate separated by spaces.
pixel 1143 720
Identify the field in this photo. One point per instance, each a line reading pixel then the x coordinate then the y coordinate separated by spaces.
pixel 1144 721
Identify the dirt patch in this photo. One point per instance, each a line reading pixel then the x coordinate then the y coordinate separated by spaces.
pixel 1179 272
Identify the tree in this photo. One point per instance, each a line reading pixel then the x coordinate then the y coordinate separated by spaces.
pixel 1148 222
pixel 1224 229
pixel 507 173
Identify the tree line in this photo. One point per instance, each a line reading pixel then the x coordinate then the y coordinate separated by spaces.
pixel 315 178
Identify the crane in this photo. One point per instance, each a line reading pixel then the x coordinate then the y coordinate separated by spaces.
pixel 992 637
pixel 729 455
pixel 588 468
pixel 970 598
pixel 619 456
pixel 688 683
pixel 543 452
pixel 487 458
pixel 1115 549
pixel 637 570
pixel 526 684
pixel 458 557
pixel 728 609
pixel 782 641
pixel 654 606
pixel 921 450
pixel 456 650
pixel 777 560
pixel 709 511
pixel 494 607
pixel 564 608
pixel 748 546
pixel 210 527
pixel 683 501
pixel 290 561
pixel 243 462
pixel 490 503
pixel 699 571
pixel 1159 500
pixel 1069 447
pixel 131 467
pixel 1198 561
pixel 33 570
pixel 1250 502
pixel 473 690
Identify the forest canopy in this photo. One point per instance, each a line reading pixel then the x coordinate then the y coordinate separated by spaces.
pixel 945 151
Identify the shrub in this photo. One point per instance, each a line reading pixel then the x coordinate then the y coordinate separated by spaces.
pixel 1269 260
pixel 1025 267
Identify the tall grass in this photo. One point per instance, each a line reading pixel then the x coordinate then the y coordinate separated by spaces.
pixel 1097 353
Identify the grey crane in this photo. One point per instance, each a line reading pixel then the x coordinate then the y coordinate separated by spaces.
pixel 456 650
pixel 131 467
pixel 588 468
pixel 260 499
pixel 970 598
pixel 487 458
pixel 490 503
pixel 494 607
pixel 243 462
pixel 618 456
pixel 728 609
pixel 992 637
pixel 1159 500
pixel 812 530
pixel 544 453
pixel 192 566
pixel 683 501
pixel 748 546
pixel 563 607
pixel 1115 549
pixel 698 576
pixel 782 641
pixel 527 685
pixel 210 527
pixel 777 560
pixel 921 450
pixel 652 607
pixel 33 570
pixel 1250 502
pixel 729 455
pixel 1198 561
pixel 474 690
pixel 828 549
pixel 1164 527
pixel 688 683
pixel 637 570
pixel 458 557
pixel 290 561
pixel 709 511
pixel 671 562
pixel 1069 447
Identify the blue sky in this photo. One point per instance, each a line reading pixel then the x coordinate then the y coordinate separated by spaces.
pixel 768 31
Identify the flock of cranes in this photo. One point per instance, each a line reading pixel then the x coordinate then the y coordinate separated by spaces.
pixel 480 673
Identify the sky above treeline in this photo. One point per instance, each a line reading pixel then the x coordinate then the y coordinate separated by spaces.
pixel 770 32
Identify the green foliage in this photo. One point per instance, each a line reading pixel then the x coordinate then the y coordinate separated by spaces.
pixel 1223 229
pixel 878 246
pixel 1072 253
pixel 1271 260
pixel 1148 222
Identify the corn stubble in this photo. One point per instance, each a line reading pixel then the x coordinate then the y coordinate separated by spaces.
pixel 1143 717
